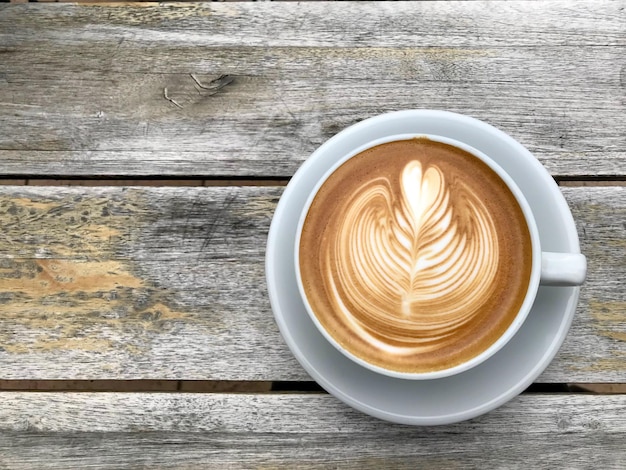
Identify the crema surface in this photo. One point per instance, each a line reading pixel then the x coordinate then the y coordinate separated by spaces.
pixel 415 256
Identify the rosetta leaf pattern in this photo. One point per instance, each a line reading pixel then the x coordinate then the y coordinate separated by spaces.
pixel 407 271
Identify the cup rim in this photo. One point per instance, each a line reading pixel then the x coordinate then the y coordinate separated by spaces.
pixel 531 291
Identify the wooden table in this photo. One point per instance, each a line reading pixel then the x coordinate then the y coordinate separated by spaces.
pixel 143 149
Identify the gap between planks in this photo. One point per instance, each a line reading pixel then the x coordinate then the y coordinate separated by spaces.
pixel 154 181
pixel 233 386
pixel 246 181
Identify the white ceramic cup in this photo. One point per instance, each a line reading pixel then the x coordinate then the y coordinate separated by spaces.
pixel 548 268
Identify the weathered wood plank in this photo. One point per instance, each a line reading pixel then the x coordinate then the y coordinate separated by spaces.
pixel 168 283
pixel 513 23
pixel 93 101
pixel 106 430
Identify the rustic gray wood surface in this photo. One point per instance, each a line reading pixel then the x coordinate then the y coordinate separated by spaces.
pixel 129 90
pixel 151 284
pixel 108 430
pixel 168 283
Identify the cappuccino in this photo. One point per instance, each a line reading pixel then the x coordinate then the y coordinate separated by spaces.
pixel 415 256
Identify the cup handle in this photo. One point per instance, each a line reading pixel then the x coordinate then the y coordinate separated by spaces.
pixel 563 269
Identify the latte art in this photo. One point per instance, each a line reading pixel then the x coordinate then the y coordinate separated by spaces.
pixel 408 270
pixel 414 256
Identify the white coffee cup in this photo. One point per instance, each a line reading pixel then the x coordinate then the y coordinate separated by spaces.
pixel 548 268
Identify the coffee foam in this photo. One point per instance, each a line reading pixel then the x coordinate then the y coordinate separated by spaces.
pixel 405 249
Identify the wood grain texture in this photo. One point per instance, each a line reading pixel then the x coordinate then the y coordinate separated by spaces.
pixel 129 91
pixel 168 283
pixel 108 430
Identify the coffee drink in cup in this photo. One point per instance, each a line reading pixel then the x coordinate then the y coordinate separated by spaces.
pixel 415 256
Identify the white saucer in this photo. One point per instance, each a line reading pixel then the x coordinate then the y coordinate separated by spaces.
pixel 451 399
